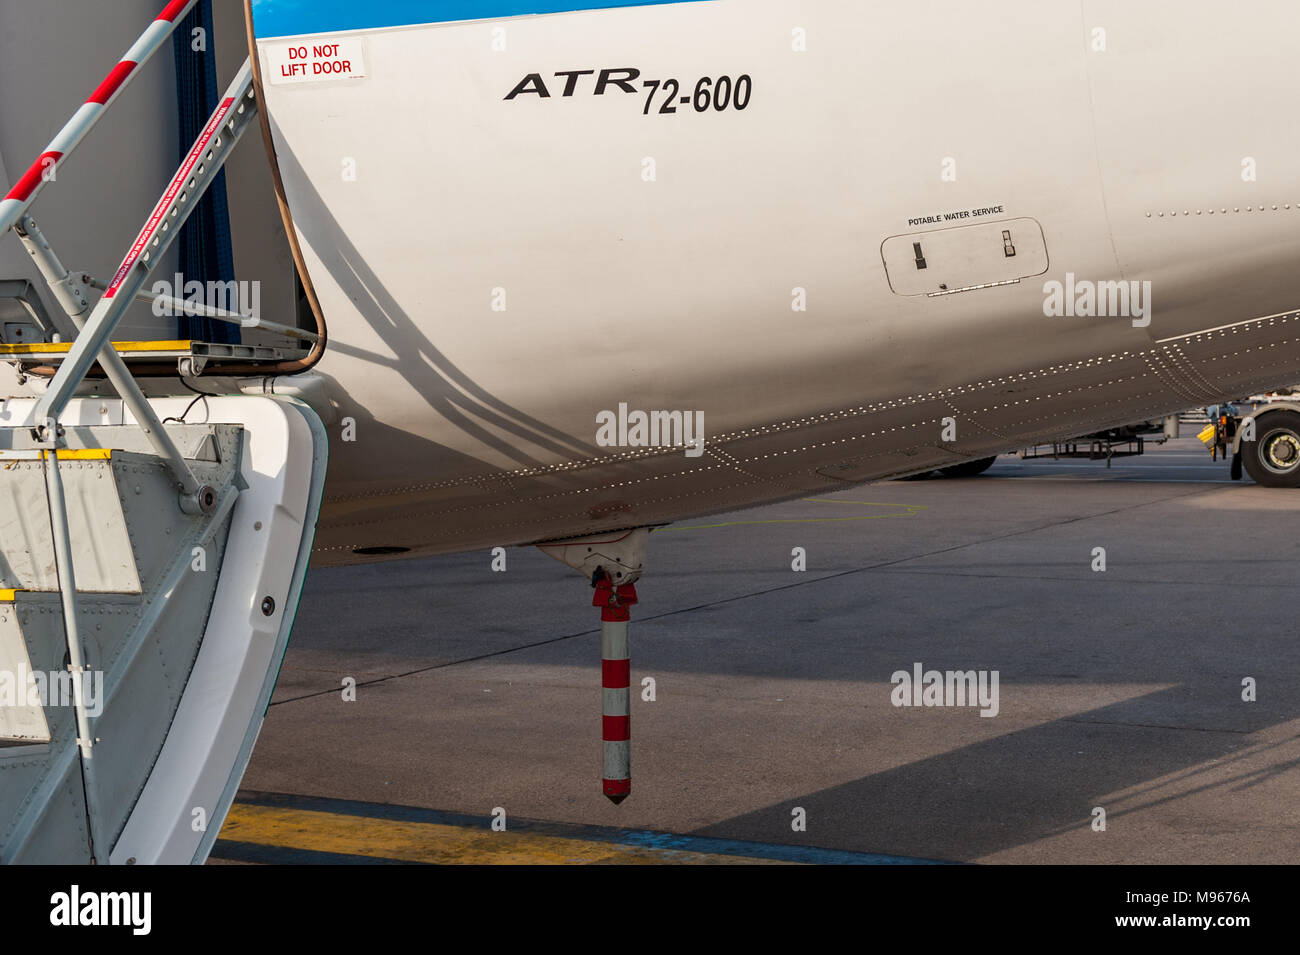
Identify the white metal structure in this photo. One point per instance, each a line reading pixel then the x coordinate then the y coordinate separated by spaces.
pixel 180 671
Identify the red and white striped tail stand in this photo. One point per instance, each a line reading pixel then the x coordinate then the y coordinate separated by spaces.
pixel 42 170
pixel 616 676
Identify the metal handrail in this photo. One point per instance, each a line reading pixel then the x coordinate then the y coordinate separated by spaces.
pixel 25 190
pixel 201 166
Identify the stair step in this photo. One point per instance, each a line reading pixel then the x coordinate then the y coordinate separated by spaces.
pixel 55 352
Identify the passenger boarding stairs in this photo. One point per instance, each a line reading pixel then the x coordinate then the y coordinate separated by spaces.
pixel 152 549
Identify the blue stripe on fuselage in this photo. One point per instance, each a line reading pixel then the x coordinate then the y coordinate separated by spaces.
pixel 280 18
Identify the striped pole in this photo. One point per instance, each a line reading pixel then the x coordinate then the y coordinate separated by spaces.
pixel 83 120
pixel 616 676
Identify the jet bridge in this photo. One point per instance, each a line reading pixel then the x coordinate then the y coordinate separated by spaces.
pixel 152 549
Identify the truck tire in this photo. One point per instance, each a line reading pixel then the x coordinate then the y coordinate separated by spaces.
pixel 971 468
pixel 1273 458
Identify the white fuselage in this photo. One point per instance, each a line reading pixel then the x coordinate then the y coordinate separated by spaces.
pixel 497 271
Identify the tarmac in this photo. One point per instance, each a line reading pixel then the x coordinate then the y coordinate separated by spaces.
pixel 1159 695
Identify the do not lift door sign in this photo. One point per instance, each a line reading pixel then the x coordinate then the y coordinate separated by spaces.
pixel 310 60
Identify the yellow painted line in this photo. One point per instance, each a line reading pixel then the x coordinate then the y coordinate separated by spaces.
pixel 7 596
pixel 86 454
pixel 912 511
pixel 439 843
pixel 79 454
pixel 61 348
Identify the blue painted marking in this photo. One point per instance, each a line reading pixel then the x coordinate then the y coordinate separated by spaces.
pixel 666 842
pixel 280 18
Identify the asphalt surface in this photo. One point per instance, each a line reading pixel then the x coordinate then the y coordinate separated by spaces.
pixel 1119 689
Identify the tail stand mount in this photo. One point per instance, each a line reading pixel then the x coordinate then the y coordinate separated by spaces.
pixel 613 563
pixel 615 681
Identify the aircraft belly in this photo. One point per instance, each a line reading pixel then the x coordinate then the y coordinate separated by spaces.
pixel 790 458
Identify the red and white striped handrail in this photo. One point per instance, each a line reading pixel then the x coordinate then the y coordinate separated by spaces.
pixel 15 204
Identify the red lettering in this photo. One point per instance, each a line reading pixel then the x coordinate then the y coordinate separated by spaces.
pixel 331 66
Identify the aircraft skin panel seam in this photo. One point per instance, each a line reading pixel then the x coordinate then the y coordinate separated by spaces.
pixel 1199 385
pixel 1088 64
pixel 766 480
pixel 872 408
pixel 1179 382
pixel 1189 212
pixel 775 478
pixel 1171 376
